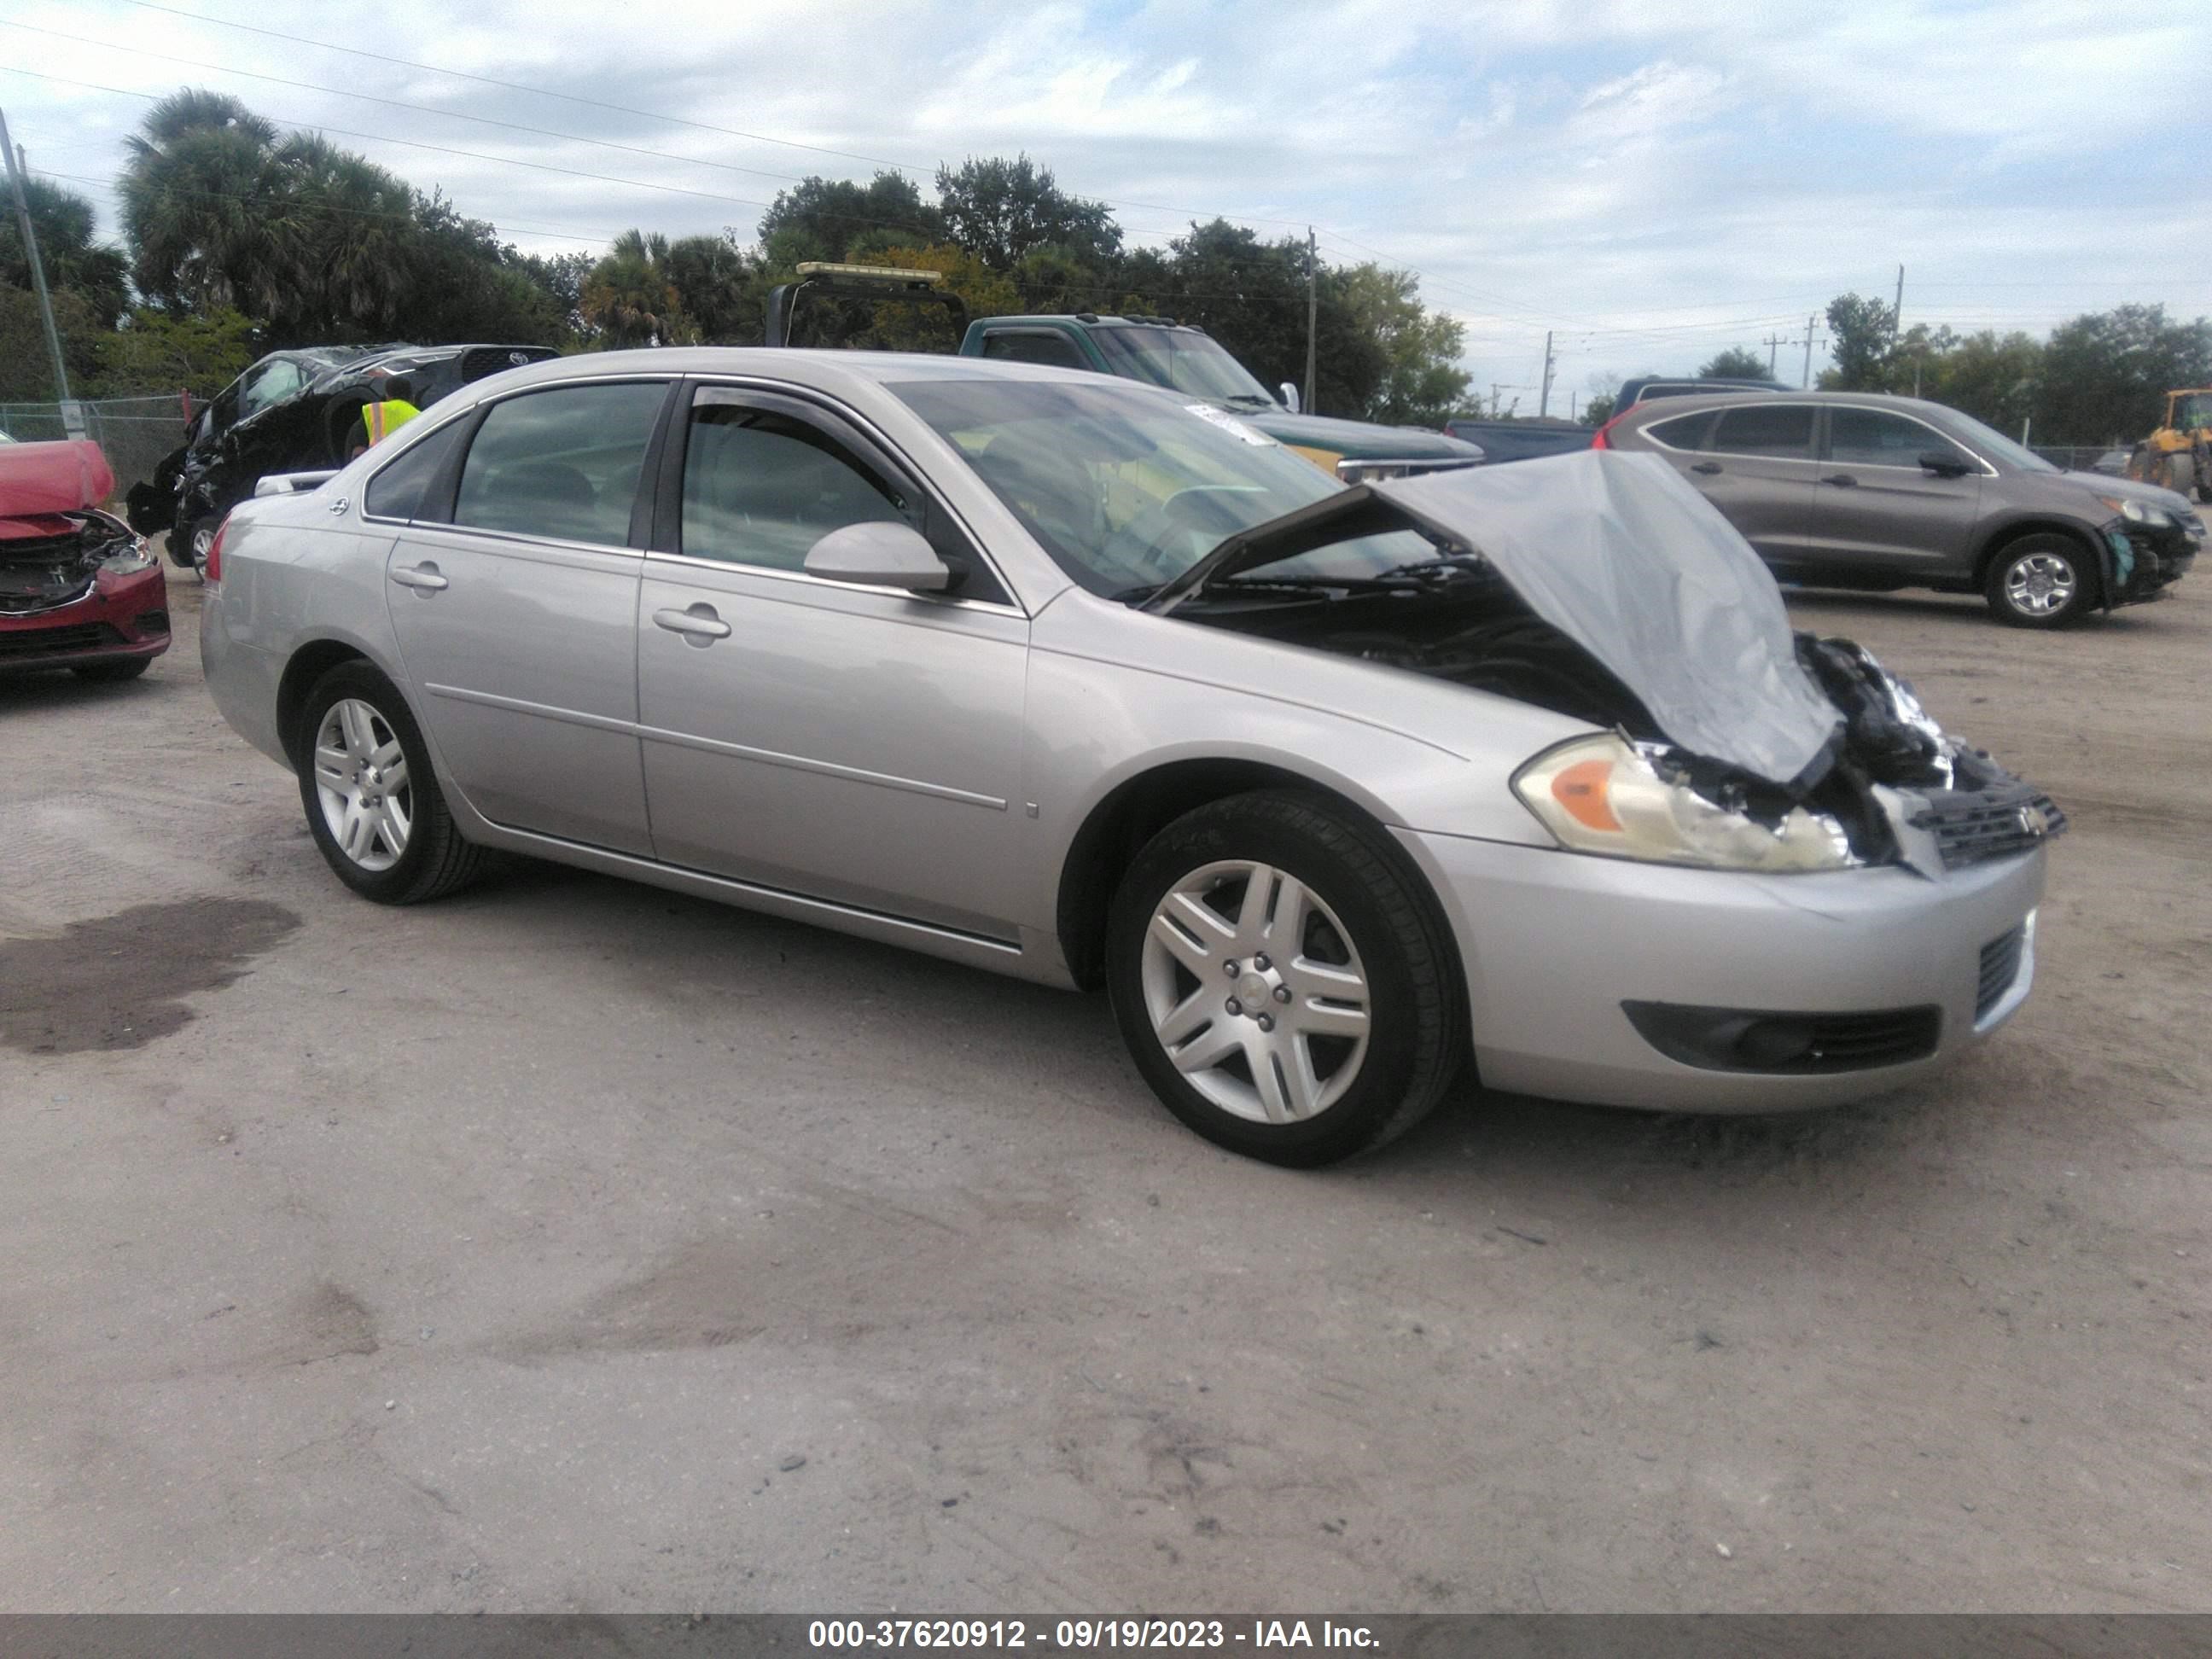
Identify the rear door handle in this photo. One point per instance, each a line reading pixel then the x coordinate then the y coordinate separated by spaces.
pixel 423 577
pixel 1843 479
pixel 697 623
pixel 1708 467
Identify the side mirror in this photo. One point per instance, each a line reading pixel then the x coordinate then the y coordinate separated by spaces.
pixel 1291 397
pixel 1943 465
pixel 878 554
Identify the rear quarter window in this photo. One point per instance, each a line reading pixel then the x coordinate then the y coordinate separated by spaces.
pixel 1683 431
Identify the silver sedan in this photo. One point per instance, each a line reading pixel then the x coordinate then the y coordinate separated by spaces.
pixel 1340 793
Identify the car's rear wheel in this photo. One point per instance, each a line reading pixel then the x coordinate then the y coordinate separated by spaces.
pixel 123 668
pixel 372 801
pixel 1282 984
pixel 2041 581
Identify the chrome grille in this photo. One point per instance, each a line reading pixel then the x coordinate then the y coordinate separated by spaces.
pixel 1973 828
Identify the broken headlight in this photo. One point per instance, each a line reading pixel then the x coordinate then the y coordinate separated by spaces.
pixel 128 561
pixel 1599 795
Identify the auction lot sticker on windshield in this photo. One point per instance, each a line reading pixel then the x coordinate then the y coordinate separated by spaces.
pixel 1228 422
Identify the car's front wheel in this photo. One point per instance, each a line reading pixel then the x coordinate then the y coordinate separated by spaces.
pixel 372 801
pixel 2041 581
pixel 1282 984
pixel 190 541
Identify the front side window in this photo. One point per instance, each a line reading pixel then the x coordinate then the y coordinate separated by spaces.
pixel 1783 431
pixel 762 487
pixel 272 383
pixel 1874 437
pixel 1053 350
pixel 561 464
pixel 1127 489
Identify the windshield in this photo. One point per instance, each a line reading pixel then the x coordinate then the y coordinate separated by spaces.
pixel 1127 489
pixel 1995 445
pixel 1182 361
pixel 2193 412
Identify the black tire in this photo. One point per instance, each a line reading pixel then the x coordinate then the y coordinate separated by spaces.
pixel 187 531
pixel 435 861
pixel 1414 1044
pixel 2015 606
pixel 123 668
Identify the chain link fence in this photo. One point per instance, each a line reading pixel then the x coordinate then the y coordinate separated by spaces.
pixel 134 433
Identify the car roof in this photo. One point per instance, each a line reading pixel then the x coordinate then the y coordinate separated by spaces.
pixel 823 369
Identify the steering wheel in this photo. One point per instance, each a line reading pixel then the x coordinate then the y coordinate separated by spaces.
pixel 1170 536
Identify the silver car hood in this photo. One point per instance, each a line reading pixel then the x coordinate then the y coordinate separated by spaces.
pixel 1626 559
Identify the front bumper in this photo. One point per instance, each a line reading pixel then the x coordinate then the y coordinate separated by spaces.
pixel 1554 943
pixel 122 617
pixel 2140 563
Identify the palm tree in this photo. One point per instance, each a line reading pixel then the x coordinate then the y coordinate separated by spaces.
pixel 64 224
pixel 630 296
pixel 195 191
pixel 343 231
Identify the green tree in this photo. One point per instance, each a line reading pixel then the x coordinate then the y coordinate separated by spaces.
pixel 2105 375
pixel 1001 211
pixel 630 296
pixel 1599 410
pixel 74 260
pixel 1736 364
pixel 1992 377
pixel 1860 333
pixel 720 288
pixel 1421 382
pixel 153 351
pixel 197 183
pixel 821 218
pixel 343 245
pixel 27 367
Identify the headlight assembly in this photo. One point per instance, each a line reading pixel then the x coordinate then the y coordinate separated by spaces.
pixel 130 563
pixel 1599 795
pixel 2135 512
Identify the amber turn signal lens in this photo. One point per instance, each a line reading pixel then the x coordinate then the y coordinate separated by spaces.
pixel 1581 789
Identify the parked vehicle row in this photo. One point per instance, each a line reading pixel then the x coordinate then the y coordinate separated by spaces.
pixel 1339 790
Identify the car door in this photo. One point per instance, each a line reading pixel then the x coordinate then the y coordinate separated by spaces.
pixel 1877 509
pixel 512 591
pixel 857 744
pixel 1754 461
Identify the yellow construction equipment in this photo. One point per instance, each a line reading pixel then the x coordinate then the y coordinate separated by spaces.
pixel 2179 455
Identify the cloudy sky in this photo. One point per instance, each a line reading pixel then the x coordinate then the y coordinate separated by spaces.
pixel 1651 182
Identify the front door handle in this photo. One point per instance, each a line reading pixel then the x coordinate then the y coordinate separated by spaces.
pixel 1843 479
pixel 424 578
pixel 1706 467
pixel 697 623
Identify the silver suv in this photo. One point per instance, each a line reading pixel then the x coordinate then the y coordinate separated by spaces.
pixel 1851 489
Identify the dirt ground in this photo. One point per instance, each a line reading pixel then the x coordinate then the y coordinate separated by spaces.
pixel 571 1245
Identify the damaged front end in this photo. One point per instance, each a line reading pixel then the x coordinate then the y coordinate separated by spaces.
pixel 56 560
pixel 1601 587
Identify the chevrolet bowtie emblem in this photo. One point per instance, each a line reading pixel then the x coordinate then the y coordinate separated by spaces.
pixel 2034 820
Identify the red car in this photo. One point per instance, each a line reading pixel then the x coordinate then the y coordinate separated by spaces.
pixel 78 590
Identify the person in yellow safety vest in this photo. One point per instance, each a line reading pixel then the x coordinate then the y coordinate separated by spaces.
pixel 379 421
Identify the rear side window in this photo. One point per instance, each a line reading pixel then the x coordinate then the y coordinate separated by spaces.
pixel 396 491
pixel 1053 350
pixel 562 464
pixel 1684 431
pixel 1783 430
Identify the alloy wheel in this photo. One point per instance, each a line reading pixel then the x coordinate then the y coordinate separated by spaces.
pixel 2039 585
pixel 361 783
pixel 1255 992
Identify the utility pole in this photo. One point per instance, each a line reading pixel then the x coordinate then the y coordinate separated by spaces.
pixel 75 427
pixel 1806 384
pixel 1544 398
pixel 1312 309
pixel 1897 311
pixel 1495 388
pixel 1772 342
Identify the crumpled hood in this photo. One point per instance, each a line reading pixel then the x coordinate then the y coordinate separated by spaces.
pixel 40 481
pixel 1619 554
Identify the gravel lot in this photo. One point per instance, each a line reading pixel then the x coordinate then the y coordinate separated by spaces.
pixel 513 1252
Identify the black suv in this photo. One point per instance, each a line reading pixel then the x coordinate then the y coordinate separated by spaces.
pixel 292 411
pixel 1855 489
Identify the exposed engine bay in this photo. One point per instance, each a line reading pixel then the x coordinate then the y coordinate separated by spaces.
pixel 58 562
pixel 1893 784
